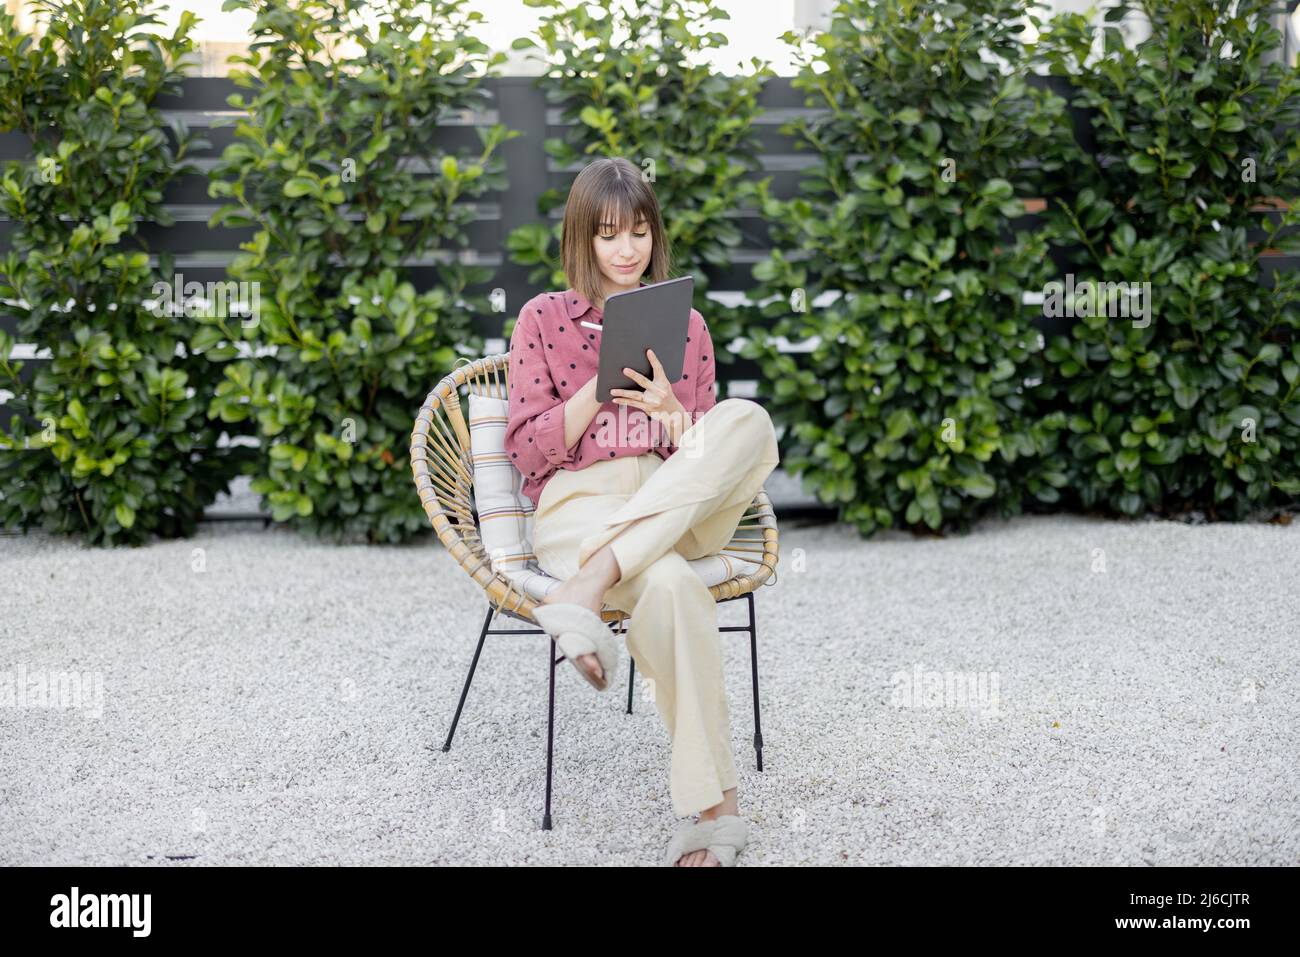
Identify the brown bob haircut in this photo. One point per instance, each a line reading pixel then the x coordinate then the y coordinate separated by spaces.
pixel 609 190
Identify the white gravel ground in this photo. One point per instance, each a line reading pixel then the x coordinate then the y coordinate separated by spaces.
pixel 287 704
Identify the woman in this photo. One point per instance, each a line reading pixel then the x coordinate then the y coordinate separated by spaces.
pixel 628 491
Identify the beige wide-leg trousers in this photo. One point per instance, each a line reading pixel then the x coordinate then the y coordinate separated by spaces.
pixel 656 514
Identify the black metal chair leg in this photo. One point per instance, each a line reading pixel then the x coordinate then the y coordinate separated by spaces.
pixel 550 729
pixel 753 658
pixel 464 692
pixel 631 681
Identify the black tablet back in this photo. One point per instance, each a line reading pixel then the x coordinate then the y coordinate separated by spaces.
pixel 655 317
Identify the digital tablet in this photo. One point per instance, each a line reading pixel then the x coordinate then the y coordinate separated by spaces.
pixel 657 317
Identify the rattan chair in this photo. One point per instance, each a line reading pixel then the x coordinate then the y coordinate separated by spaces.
pixel 444 477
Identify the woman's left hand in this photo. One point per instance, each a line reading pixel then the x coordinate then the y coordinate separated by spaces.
pixel 658 400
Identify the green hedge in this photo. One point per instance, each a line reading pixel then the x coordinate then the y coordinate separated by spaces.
pixel 322 166
pixel 110 440
pixel 1195 404
pixel 931 398
pixel 911 408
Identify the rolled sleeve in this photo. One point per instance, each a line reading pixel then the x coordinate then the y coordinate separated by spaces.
pixel 549 436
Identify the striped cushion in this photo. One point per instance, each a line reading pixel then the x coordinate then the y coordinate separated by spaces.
pixel 505 513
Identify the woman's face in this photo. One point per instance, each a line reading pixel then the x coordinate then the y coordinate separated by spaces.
pixel 614 251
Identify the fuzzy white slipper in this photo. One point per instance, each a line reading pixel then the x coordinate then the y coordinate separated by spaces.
pixel 725 836
pixel 580 631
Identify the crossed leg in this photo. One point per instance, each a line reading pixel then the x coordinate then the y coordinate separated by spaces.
pixel 693 502
pixel 690 503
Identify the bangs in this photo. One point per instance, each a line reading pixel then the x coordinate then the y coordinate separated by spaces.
pixel 621 212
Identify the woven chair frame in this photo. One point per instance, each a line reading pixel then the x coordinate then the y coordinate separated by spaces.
pixel 444 478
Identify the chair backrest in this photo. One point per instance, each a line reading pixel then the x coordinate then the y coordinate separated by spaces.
pixel 442 466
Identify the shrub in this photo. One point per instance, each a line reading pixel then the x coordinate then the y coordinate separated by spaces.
pixel 1193 405
pixel 911 407
pixel 323 165
pixel 110 439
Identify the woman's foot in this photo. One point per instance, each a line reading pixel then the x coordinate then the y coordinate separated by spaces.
pixel 587 588
pixel 706 858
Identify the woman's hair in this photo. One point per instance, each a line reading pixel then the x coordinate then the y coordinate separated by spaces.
pixel 609 190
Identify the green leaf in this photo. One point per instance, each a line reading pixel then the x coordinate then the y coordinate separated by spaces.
pixel 300 186
pixel 1142 163
pixel 979 485
pixel 997 189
